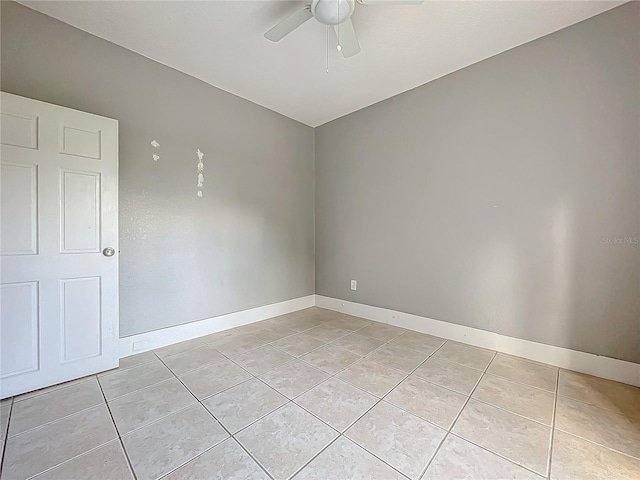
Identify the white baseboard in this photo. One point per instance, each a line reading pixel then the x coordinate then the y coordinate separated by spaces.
pixel 605 367
pixel 167 336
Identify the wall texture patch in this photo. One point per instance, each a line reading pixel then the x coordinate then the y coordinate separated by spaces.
pixel 155 156
pixel 200 171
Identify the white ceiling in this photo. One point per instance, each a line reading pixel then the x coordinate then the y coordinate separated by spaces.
pixel 222 43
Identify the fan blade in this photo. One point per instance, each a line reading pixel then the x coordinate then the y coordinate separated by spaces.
pixel 391 2
pixel 347 38
pixel 288 25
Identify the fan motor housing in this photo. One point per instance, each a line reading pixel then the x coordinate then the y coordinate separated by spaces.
pixel 332 12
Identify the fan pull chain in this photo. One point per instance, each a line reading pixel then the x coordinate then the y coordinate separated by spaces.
pixel 327 48
pixel 339 47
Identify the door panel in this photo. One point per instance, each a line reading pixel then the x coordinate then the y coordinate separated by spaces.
pixel 58 292
pixel 80 212
pixel 19 310
pixel 80 318
pixel 80 142
pixel 19 209
pixel 19 130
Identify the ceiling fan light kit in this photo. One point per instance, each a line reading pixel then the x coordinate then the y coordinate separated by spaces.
pixel 336 13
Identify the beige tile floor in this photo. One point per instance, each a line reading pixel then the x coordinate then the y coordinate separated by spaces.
pixel 321 395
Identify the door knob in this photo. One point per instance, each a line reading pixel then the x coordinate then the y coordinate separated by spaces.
pixel 109 252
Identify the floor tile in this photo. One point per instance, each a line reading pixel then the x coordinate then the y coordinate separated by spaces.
pixel 427 400
pixel 255 327
pixel 576 458
pixel 358 344
pixel 179 347
pixel 349 322
pixel 373 377
pixel 323 314
pixel 273 335
pixel 135 360
pixel 149 404
pixel 419 342
pixel 302 324
pixel 238 344
pixel 39 449
pixel 524 400
pixel 459 459
pixel 521 440
pixel 35 393
pixel 280 331
pixel 299 344
pixel 337 403
pixel 614 396
pixel 262 359
pixel 599 425
pixel 107 461
pixel 226 461
pixel 450 375
pixel 48 407
pixel 294 378
pixel 243 404
pixel 330 358
pixel 221 336
pixel 401 439
pixel 523 371
pixel 381 331
pixel 398 357
pixel 344 460
pixel 214 378
pixel 466 355
pixel 134 378
pixel 294 437
pixel 327 332
pixel 320 314
pixel 161 447
pixel 192 359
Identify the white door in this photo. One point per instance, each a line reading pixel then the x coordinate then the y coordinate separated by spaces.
pixel 58 220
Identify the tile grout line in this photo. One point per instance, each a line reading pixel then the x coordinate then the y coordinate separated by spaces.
pixel 52 388
pixel 553 425
pixel 331 376
pixel 449 430
pixel 520 383
pixel 600 445
pixel 113 421
pixel 381 399
pixel 48 469
pixel 218 421
pixel 378 400
pixel 53 421
pixel 6 438
pixel 497 407
pixel 334 375
pixel 499 455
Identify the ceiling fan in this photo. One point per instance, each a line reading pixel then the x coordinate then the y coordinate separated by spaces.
pixel 331 12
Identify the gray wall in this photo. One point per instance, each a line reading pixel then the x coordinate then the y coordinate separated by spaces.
pixel 248 242
pixel 482 198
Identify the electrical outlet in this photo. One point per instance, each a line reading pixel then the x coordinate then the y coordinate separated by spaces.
pixel 354 285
